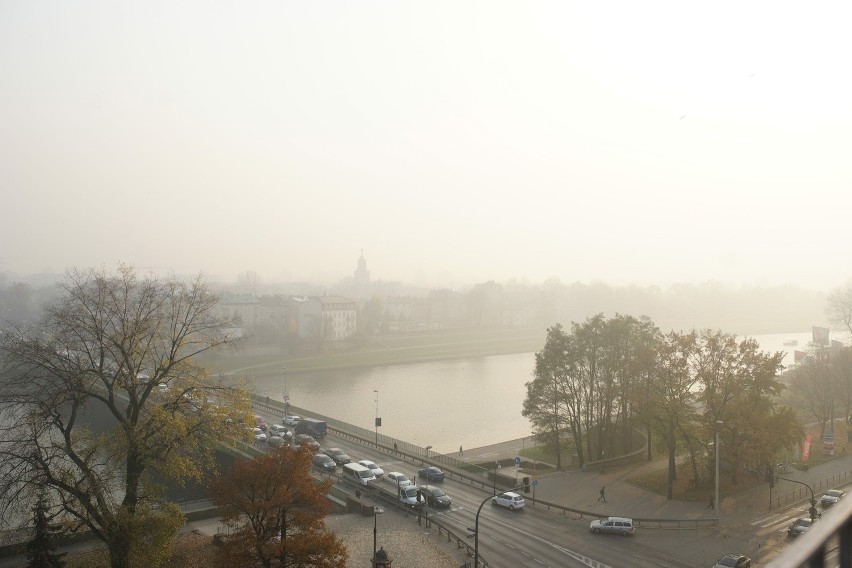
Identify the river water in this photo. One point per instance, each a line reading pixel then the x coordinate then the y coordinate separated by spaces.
pixel 443 404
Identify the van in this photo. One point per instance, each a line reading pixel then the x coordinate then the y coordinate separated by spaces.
pixel 357 473
pixel 312 427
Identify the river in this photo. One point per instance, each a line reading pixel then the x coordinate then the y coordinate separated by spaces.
pixel 444 404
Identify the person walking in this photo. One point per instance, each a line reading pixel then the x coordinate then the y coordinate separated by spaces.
pixel 461 451
pixel 712 504
pixel 603 494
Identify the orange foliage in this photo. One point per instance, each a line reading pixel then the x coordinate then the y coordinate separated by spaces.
pixel 278 510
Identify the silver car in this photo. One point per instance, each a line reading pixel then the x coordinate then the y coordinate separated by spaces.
pixel 616 525
pixel 510 500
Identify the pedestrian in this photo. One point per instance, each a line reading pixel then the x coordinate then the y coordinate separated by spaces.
pixel 603 494
pixel 712 504
pixel 461 451
pixel 395 449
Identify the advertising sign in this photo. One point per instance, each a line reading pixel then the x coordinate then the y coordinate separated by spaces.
pixel 806 447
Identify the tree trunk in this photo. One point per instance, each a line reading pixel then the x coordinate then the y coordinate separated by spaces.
pixel 672 469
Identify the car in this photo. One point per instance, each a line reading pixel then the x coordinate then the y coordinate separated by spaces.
pixel 399 478
pixel 831 497
pixel 616 525
pixel 431 473
pixel 279 431
pixel 411 496
pixel 799 526
pixel 733 561
pixel 323 462
pixel 259 436
pixel 305 440
pixel 510 500
pixel 277 441
pixel 260 422
pixel 338 455
pixel 291 420
pixel 435 496
pixel 371 465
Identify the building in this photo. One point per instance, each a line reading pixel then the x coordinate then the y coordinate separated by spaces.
pixel 362 285
pixel 327 318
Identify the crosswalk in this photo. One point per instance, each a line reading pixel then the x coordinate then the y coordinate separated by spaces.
pixel 780 520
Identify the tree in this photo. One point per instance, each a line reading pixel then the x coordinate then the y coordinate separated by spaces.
pixel 839 306
pixel 278 510
pixel 102 398
pixel 41 552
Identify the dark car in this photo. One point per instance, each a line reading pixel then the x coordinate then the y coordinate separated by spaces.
pixel 305 440
pixel 435 496
pixel 338 455
pixel 323 462
pixel 831 497
pixel 431 473
pixel 733 561
pixel 799 526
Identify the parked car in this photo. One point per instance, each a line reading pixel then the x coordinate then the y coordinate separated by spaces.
pixel 279 431
pixel 305 440
pixel 799 526
pixel 411 496
pixel 371 465
pixel 259 436
pixel 338 455
pixel 831 497
pixel 431 473
pixel 510 500
pixel 616 525
pixel 733 561
pixel 399 478
pixel 291 420
pixel 323 462
pixel 435 496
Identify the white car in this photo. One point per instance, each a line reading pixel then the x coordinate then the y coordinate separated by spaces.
pixel 259 436
pixel 510 500
pixel 371 465
pixel 279 431
pixel 399 478
pixel 291 420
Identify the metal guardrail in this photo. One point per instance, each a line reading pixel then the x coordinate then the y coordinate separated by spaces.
pixel 832 532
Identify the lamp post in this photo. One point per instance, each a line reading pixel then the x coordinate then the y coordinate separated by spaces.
pixel 286 396
pixel 716 443
pixel 377 417
pixel 427 452
pixel 476 528
pixel 376 512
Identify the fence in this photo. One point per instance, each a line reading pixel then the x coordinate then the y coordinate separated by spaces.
pixel 802 493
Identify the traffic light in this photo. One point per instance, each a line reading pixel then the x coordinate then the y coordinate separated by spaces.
pixel 770 477
pixel 526 484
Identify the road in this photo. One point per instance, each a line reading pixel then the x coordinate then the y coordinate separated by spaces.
pixel 530 536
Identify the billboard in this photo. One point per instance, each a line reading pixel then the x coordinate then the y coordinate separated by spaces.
pixel 806 447
pixel 820 335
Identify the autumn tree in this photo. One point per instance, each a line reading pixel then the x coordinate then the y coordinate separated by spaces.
pixel 102 397
pixel 278 511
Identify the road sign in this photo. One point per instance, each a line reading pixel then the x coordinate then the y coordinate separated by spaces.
pixel 517 460
pixel 535 482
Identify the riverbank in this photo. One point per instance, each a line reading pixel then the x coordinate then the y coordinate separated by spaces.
pixel 383 350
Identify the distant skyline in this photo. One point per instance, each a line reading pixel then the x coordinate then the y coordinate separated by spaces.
pixel 454 142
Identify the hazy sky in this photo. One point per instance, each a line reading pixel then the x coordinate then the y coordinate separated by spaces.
pixel 455 142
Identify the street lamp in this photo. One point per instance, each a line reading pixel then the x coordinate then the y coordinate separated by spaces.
pixel 716 443
pixel 284 373
pixel 475 530
pixel 376 512
pixel 377 417
pixel 427 452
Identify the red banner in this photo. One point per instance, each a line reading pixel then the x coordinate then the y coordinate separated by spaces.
pixel 806 447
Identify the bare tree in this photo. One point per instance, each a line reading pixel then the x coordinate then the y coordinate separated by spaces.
pixel 102 394
pixel 839 306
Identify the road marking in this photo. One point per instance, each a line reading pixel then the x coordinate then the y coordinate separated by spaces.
pixel 765 519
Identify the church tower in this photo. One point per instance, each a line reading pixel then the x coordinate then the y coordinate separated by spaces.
pixel 363 288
